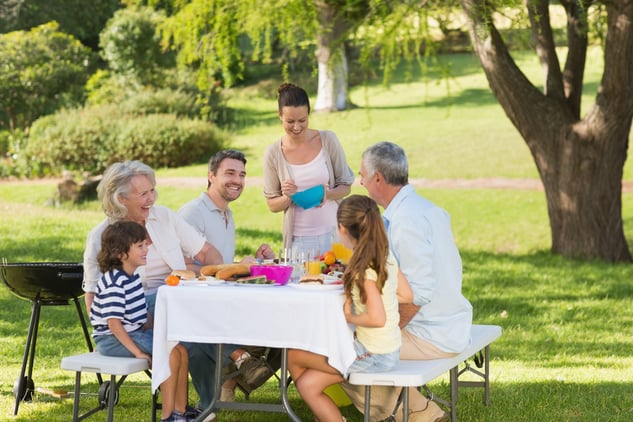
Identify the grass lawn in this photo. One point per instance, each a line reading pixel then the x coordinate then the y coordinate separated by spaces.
pixel 565 353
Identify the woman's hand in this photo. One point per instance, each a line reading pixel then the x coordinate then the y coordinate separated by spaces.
pixel 288 187
pixel 265 252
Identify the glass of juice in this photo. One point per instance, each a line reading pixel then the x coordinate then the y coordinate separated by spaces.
pixel 314 262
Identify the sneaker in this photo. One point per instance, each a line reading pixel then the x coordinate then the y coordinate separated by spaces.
pixel 255 371
pixel 176 416
pixel 193 412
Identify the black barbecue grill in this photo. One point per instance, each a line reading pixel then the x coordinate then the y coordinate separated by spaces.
pixel 44 284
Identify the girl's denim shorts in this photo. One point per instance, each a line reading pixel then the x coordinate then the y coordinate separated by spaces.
pixel 372 362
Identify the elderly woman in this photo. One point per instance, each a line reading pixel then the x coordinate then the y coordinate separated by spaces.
pixel 127 192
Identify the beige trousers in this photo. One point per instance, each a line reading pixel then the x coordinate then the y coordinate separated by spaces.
pixel 383 399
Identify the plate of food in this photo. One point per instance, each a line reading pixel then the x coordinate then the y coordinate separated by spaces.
pixel 202 281
pixel 254 281
pixel 316 282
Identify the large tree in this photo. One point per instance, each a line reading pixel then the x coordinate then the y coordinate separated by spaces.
pixel 210 34
pixel 580 158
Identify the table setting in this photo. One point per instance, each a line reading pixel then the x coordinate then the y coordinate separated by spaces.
pixel 250 311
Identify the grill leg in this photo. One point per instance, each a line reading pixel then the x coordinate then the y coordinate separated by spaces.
pixel 29 353
pixel 84 327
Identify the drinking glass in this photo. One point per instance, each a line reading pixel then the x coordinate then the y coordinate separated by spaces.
pixel 314 262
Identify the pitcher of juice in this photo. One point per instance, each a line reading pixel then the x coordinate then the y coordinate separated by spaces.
pixel 341 252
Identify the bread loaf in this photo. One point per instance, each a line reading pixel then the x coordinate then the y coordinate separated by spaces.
pixel 212 269
pixel 232 271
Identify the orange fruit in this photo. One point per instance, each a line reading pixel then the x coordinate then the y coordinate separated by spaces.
pixel 329 258
pixel 172 280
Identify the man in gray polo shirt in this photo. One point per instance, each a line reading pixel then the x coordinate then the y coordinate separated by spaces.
pixel 210 215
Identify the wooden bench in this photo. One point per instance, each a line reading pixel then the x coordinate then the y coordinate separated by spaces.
pixel 108 390
pixel 417 373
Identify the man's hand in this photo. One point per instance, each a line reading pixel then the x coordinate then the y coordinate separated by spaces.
pixel 407 312
pixel 265 252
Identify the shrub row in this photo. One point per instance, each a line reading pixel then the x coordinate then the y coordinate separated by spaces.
pixel 90 139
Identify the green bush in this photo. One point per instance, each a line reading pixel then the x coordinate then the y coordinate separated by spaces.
pixel 88 140
pixel 164 140
pixel 148 101
pixel 76 140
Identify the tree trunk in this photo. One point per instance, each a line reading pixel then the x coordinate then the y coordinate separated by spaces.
pixel 580 161
pixel 332 60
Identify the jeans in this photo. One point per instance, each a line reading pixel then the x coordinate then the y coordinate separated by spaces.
pixel 322 243
pixel 201 361
pixel 202 368
pixel 372 362
pixel 109 345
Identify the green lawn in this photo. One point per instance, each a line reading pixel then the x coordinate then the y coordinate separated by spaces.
pixel 565 353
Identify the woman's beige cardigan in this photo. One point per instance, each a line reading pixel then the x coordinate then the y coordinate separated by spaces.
pixel 277 169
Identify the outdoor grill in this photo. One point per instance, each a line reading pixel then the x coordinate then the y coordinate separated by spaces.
pixel 44 284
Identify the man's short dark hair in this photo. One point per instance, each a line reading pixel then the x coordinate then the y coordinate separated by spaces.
pixel 217 158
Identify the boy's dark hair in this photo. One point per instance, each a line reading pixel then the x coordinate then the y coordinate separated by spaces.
pixel 116 241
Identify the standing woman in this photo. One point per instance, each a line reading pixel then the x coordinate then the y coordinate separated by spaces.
pixel 300 159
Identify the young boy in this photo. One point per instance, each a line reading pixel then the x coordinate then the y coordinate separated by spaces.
pixel 119 314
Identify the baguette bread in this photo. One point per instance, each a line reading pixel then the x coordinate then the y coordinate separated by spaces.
pixel 231 271
pixel 212 269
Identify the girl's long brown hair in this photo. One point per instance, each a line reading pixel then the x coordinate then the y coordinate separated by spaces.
pixel 359 214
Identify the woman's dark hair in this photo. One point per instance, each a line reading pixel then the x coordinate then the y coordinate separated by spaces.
pixel 116 241
pixel 360 216
pixel 291 95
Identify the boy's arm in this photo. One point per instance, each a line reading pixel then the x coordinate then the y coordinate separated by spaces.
pixel 114 324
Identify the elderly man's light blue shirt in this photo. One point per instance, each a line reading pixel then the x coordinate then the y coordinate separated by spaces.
pixel 421 239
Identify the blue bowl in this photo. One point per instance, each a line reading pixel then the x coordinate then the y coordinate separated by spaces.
pixel 309 198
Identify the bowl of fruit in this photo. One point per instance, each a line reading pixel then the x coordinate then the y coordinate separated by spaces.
pixel 331 265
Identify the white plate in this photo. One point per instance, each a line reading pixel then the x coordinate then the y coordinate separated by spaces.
pixel 210 281
pixel 329 279
pixel 316 286
pixel 235 283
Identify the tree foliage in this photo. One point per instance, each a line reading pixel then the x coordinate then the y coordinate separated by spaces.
pixel 40 71
pixel 131 46
pixel 84 19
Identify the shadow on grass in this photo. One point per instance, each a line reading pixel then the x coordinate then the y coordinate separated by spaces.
pixel 552 309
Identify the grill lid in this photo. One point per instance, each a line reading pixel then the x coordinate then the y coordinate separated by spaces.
pixel 48 281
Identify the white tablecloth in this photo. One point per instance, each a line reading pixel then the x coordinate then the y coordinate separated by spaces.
pixel 274 316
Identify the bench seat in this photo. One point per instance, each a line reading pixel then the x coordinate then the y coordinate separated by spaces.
pixel 108 390
pixel 417 373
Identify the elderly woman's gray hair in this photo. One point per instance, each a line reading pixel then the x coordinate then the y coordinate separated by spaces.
pixel 389 160
pixel 116 182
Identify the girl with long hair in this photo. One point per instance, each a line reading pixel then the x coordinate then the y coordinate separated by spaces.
pixel 373 288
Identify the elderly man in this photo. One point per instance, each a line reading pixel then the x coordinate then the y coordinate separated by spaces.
pixel 437 323
pixel 210 215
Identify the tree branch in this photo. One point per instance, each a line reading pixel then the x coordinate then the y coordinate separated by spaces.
pixel 538 12
pixel 577 42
